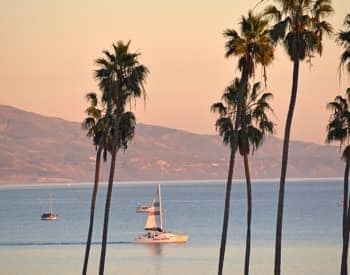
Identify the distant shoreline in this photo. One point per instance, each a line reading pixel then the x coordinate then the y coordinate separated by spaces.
pixel 169 182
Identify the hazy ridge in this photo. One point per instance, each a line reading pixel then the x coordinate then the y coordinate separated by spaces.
pixel 38 149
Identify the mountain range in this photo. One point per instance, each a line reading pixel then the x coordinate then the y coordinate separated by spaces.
pixel 40 149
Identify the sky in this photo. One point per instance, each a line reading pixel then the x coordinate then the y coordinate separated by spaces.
pixel 48 49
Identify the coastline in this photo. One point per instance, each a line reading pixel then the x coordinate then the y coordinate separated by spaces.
pixel 169 182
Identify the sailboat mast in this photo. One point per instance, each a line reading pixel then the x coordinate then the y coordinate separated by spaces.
pixel 50 203
pixel 160 208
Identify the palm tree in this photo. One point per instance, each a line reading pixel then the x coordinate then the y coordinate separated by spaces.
pixel 254 125
pixel 343 39
pixel 252 46
pixel 121 78
pixel 300 26
pixel 339 130
pixel 98 126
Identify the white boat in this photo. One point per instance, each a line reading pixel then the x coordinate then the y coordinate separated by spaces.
pixel 49 216
pixel 143 207
pixel 154 225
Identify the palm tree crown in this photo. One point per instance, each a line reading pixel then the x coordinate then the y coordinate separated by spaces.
pixel 252 46
pixel 343 39
pixel 338 128
pixel 98 124
pixel 254 122
pixel 121 77
pixel 300 25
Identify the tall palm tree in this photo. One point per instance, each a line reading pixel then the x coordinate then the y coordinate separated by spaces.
pixel 253 46
pixel 300 26
pixel 338 130
pixel 254 125
pixel 98 126
pixel 343 39
pixel 121 78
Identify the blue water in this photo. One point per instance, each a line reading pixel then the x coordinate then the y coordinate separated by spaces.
pixel 312 228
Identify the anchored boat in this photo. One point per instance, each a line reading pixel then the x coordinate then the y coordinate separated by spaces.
pixel 154 225
pixel 143 207
pixel 49 216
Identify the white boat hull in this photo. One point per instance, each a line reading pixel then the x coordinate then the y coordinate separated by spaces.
pixel 143 208
pixel 161 237
pixel 48 217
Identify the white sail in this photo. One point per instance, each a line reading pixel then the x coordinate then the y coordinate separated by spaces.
pixel 154 218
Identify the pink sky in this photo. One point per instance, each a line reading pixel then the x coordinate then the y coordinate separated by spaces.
pixel 48 48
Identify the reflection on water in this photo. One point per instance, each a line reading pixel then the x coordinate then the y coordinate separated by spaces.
pixel 155 249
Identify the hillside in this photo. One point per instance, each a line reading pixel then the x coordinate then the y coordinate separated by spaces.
pixel 38 149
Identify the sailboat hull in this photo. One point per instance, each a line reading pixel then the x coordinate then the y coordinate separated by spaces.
pixel 48 217
pixel 161 237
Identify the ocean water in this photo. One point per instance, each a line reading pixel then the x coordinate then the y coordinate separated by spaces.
pixel 311 239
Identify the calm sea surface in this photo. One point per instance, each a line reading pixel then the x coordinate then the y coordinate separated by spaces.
pixel 312 229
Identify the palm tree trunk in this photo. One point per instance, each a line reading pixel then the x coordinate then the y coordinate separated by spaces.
pixel 107 209
pixel 92 209
pixel 278 244
pixel 249 215
pixel 234 145
pixel 226 212
pixel 344 258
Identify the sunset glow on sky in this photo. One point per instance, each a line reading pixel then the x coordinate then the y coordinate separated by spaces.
pixel 48 50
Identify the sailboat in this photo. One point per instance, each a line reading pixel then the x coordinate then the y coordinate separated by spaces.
pixel 154 225
pixel 50 216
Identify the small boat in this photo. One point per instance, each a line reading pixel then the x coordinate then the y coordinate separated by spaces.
pixel 143 207
pixel 50 216
pixel 154 225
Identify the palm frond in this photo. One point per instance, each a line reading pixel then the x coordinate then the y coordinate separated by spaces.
pixel 235 44
pixel 322 8
pixel 219 108
pixel 255 137
pixel 254 122
pixel 93 112
pixel 273 13
pixel 343 38
pixel 126 128
pixel 255 91
pixel 338 127
pixel 278 31
pixel 345 58
pixel 225 128
pixel 92 98
pixel 88 123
